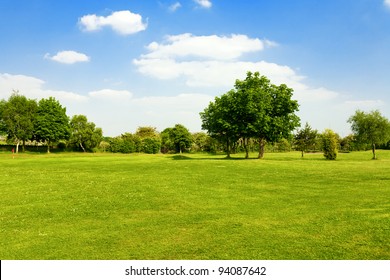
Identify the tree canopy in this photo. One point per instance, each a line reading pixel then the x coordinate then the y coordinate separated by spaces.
pixel 255 108
pixel 305 138
pixel 370 128
pixel 18 118
pixel 84 134
pixel 51 122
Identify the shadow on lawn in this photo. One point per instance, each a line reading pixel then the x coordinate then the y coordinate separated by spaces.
pixel 236 157
pixel 212 157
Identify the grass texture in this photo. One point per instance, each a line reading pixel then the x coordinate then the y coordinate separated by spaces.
pixel 110 206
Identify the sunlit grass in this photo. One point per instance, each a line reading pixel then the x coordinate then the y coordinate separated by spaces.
pixel 106 206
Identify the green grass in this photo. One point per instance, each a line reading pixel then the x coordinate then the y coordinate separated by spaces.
pixel 106 206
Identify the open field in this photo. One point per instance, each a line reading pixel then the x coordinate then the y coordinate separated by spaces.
pixel 110 206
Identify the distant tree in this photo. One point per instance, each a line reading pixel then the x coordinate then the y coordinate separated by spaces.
pixel 150 139
pixel 329 144
pixel 347 143
pixel 51 122
pixel 305 138
pixel 370 128
pixel 104 146
pixel 84 134
pixel 201 142
pixel 18 118
pixel 176 139
pixel 182 138
pixel 167 144
pixel 147 132
pixel 3 127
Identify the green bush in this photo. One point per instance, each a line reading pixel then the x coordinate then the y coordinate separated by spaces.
pixel 150 145
pixel 330 144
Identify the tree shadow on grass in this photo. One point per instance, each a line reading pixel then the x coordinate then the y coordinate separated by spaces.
pixel 241 158
pixel 211 157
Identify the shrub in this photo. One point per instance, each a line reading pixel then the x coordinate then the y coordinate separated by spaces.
pixel 330 144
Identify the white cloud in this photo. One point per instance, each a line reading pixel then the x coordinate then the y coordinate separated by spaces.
pixel 204 3
pixel 387 3
pixel 110 94
pixel 174 7
pixel 122 22
pixel 33 88
pixel 205 47
pixel 68 57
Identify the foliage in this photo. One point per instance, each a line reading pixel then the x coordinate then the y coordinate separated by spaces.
pixel 51 123
pixel 3 126
pixel 329 144
pixel 176 139
pixel 150 140
pixel 84 134
pixel 254 109
pixel 305 139
pixel 18 118
pixel 370 128
pixel 126 143
pixel 217 120
pixel 202 142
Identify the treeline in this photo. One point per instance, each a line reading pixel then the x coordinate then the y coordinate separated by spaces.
pixel 255 116
pixel 45 122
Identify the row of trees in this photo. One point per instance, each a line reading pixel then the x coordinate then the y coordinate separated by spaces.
pixel 250 117
pixel 258 111
pixel 46 121
pixel 148 140
pixel 369 130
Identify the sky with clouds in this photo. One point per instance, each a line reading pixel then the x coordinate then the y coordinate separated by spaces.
pixel 131 63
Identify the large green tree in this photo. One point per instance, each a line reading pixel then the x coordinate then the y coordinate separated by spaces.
pixel 370 128
pixel 255 108
pixel 217 120
pixel 83 134
pixel 17 116
pixel 51 123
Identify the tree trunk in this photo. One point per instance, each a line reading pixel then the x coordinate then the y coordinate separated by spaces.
pixel 302 153
pixel 48 147
pixel 373 151
pixel 261 148
pixel 17 147
pixel 227 148
pixel 245 142
pixel 81 145
pixel 24 146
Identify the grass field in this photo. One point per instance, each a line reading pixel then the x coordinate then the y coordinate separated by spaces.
pixel 110 206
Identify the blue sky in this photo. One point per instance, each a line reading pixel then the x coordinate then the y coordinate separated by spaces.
pixel 130 63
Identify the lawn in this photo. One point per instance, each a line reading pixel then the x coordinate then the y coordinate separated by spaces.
pixel 111 206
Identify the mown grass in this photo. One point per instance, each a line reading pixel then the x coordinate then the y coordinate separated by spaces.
pixel 106 206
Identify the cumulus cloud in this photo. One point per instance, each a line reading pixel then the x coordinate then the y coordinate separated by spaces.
pixel 33 88
pixel 204 3
pixel 122 22
pixel 205 47
pixel 68 57
pixel 211 61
